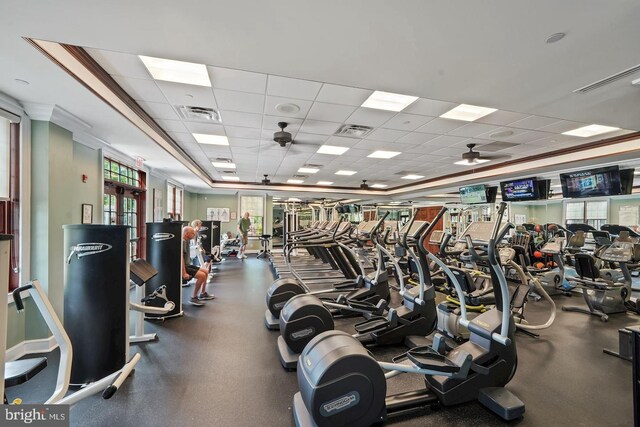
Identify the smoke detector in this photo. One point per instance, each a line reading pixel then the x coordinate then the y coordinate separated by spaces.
pixel 287 108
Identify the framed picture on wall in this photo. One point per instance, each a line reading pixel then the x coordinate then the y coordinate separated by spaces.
pixel 87 213
pixel 218 214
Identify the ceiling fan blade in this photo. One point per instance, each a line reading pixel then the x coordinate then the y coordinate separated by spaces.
pixel 495 157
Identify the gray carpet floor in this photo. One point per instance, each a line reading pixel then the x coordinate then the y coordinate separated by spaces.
pixel 218 366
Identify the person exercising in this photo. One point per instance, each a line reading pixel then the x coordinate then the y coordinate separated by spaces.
pixel 243 228
pixel 189 271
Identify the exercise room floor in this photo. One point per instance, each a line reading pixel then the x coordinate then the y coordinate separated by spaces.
pixel 218 366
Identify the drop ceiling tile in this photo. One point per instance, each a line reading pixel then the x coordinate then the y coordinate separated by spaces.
pixel 344 95
pixel 172 125
pixel 182 137
pixel 159 111
pixel 274 101
pixel 522 148
pixel 311 139
pixel 416 138
pixel 213 151
pixel 341 141
pixel 357 153
pixel 440 126
pixel 450 151
pixel 373 145
pixel 120 64
pixel 369 117
pixel 330 112
pixel 181 94
pixel 237 80
pixel 562 126
pixel 446 141
pixel 206 128
pixel 429 107
pixel 253 144
pixel 236 118
pixel 244 155
pixel 270 125
pixel 388 135
pixel 515 132
pixel 292 88
pixel 501 118
pixel 319 127
pixel 534 122
pixel 528 137
pixel 239 101
pixel 473 129
pixel 140 89
pixel 241 132
pixel 406 122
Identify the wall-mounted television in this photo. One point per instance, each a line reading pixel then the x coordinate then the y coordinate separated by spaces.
pixel 520 189
pixel 591 183
pixel 544 188
pixel 626 181
pixel 473 194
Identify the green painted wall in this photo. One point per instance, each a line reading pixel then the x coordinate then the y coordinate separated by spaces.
pixel 158 184
pixel 190 205
pixel 616 203
pixel 204 201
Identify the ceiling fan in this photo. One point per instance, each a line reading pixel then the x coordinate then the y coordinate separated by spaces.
pixel 283 137
pixel 266 180
pixel 472 158
pixel 364 185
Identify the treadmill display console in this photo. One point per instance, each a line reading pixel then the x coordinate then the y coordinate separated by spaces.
pixel 436 237
pixel 618 252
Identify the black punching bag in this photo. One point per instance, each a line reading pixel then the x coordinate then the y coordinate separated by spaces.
pixel 96 298
pixel 164 253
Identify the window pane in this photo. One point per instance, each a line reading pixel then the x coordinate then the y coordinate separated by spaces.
pixel 597 210
pixel 575 212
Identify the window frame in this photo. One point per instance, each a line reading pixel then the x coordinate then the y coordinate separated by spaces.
pixel 585 218
pixel 10 207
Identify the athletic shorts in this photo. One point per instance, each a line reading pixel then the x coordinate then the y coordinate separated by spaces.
pixel 245 239
pixel 191 270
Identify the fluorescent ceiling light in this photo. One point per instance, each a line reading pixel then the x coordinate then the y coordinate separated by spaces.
pixel 591 130
pixel 293 199
pixel 177 71
pixel 341 172
pixel 295 181
pixel 472 162
pixel 379 185
pixel 230 178
pixel 332 149
pixel 412 176
pixel 325 182
pixel 394 203
pixel 308 170
pixel 388 101
pixel 468 113
pixel 223 165
pixel 383 154
pixel 204 138
pixel 276 198
pixel 556 186
pixel 636 172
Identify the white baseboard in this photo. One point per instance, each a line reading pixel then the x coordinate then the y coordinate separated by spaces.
pixel 44 345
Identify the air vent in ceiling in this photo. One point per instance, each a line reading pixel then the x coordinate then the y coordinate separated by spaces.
pixel 198 114
pixel 353 131
pixel 223 160
pixel 607 80
pixel 301 176
pixel 311 165
pixel 229 172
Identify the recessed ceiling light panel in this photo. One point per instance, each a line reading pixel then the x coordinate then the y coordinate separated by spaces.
pixel 325 182
pixel 177 71
pixel 295 181
pixel 379 185
pixel 230 178
pixel 412 176
pixel 471 162
pixel 308 170
pixel 332 149
pixel 467 113
pixel 388 101
pixel 203 138
pixel 223 165
pixel 591 130
pixel 344 172
pixel 383 154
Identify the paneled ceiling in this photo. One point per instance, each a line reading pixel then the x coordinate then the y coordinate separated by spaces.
pixel 326 58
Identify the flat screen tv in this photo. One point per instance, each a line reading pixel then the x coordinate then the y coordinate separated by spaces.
pixel 473 194
pixel 544 188
pixel 521 189
pixel 626 181
pixel 591 183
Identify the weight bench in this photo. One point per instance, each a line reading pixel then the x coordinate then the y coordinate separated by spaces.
pixel 21 371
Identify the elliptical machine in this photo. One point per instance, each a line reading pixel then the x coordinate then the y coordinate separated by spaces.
pixel 341 384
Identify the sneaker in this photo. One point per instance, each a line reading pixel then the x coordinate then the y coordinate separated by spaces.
pixel 196 302
pixel 186 284
pixel 206 296
pixel 243 256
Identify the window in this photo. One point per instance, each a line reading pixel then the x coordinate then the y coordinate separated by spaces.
pixel 255 206
pixel 10 190
pixel 123 203
pixel 594 213
pixel 174 202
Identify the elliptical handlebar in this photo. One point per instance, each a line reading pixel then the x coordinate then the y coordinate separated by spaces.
pixel 404 238
pixel 429 229
pixel 374 232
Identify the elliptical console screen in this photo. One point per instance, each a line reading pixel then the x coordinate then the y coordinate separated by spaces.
pixel 591 183
pixel 473 194
pixel 522 189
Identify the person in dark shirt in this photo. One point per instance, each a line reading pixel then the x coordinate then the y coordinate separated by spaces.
pixel 243 228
